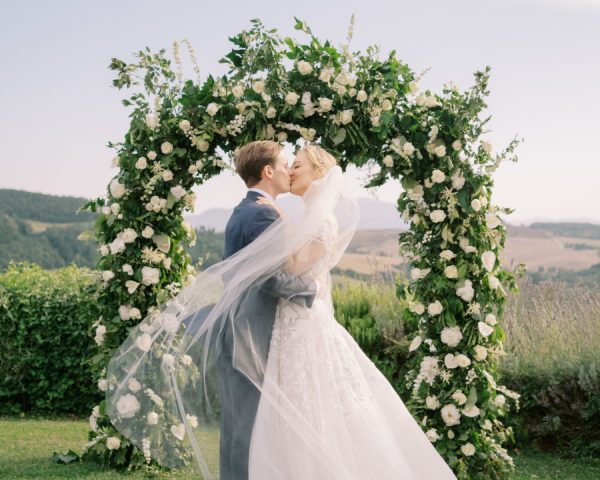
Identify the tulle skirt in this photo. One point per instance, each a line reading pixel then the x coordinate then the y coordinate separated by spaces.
pixel 326 412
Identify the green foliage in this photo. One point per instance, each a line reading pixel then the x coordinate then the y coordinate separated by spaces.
pixel 42 207
pixel 45 346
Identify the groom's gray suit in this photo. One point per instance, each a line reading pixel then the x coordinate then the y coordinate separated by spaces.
pixel 239 397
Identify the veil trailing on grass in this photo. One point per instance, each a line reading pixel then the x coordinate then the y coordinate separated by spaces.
pixel 163 379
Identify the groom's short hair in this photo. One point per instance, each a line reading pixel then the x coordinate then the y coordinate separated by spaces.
pixel 252 158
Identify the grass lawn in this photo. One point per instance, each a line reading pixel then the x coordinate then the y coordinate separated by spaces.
pixel 27 445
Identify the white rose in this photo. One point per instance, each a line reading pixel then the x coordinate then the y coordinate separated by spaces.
pixel 117 246
pixel 282 136
pixel 150 275
pixel 432 402
pixel 202 145
pixel 450 361
pixel 450 415
pixel 437 216
pixel 258 86
pixel 167 175
pixel 103 384
pixel 388 161
pixel 462 360
pixel 493 282
pixel 135 313
pixel 468 449
pixel 129 235
pixel 386 105
pixel 326 74
pixel 325 104
pixel 100 330
pixel 346 116
pixel 166 147
pixel 271 112
pixel 487 146
pixel 471 411
pixel 435 308
pixel 117 189
pixel 416 343
pixel 451 271
pixel 152 155
pixel 141 163
pixel 237 91
pixel 185 125
pixel 292 98
pixel 131 286
pixel 124 312
pixel 107 275
pixel 484 329
pixel 212 109
pixel 361 96
pixel 144 342
pixel 113 443
pixel 466 292
pixel 178 192
pixel 456 145
pixel 418 308
pixel 500 401
pixel 103 250
pixel 128 406
pixel 438 176
pixel 133 385
pixel 447 254
pixel 451 336
pixel 152 418
pixel 480 353
pixel 432 435
pixel 408 149
pixel 476 204
pixel 488 259
pixel 168 359
pixel 490 319
pixel 147 232
pixel 304 67
pixel 440 150
pixel 459 397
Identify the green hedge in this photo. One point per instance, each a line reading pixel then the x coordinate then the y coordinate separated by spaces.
pixel 46 340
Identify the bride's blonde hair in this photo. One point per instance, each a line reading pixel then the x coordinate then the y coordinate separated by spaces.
pixel 322 160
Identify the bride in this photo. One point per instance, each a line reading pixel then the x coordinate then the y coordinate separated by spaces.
pixel 343 419
pixel 325 411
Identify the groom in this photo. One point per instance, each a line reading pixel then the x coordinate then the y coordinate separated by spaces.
pixel 263 167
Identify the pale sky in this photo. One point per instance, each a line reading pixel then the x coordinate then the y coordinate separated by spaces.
pixel 58 108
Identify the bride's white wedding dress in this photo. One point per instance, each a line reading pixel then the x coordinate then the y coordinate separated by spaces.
pixel 343 419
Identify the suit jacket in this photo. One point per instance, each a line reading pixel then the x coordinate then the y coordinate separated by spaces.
pixel 248 220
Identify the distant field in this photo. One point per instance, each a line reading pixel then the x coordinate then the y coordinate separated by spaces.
pixel 377 250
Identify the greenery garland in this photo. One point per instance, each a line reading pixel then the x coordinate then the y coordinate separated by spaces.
pixel 365 111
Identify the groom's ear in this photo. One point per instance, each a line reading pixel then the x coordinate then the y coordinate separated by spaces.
pixel 267 172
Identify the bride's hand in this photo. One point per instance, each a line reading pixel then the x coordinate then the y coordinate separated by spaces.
pixel 270 203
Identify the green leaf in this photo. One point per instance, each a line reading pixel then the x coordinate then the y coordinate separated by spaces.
pixel 63 458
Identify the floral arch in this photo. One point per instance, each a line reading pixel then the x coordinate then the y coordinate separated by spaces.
pixel 365 111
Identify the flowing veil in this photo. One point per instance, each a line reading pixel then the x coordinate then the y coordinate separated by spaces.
pixel 163 378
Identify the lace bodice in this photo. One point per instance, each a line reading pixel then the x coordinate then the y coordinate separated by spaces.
pixel 327 236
